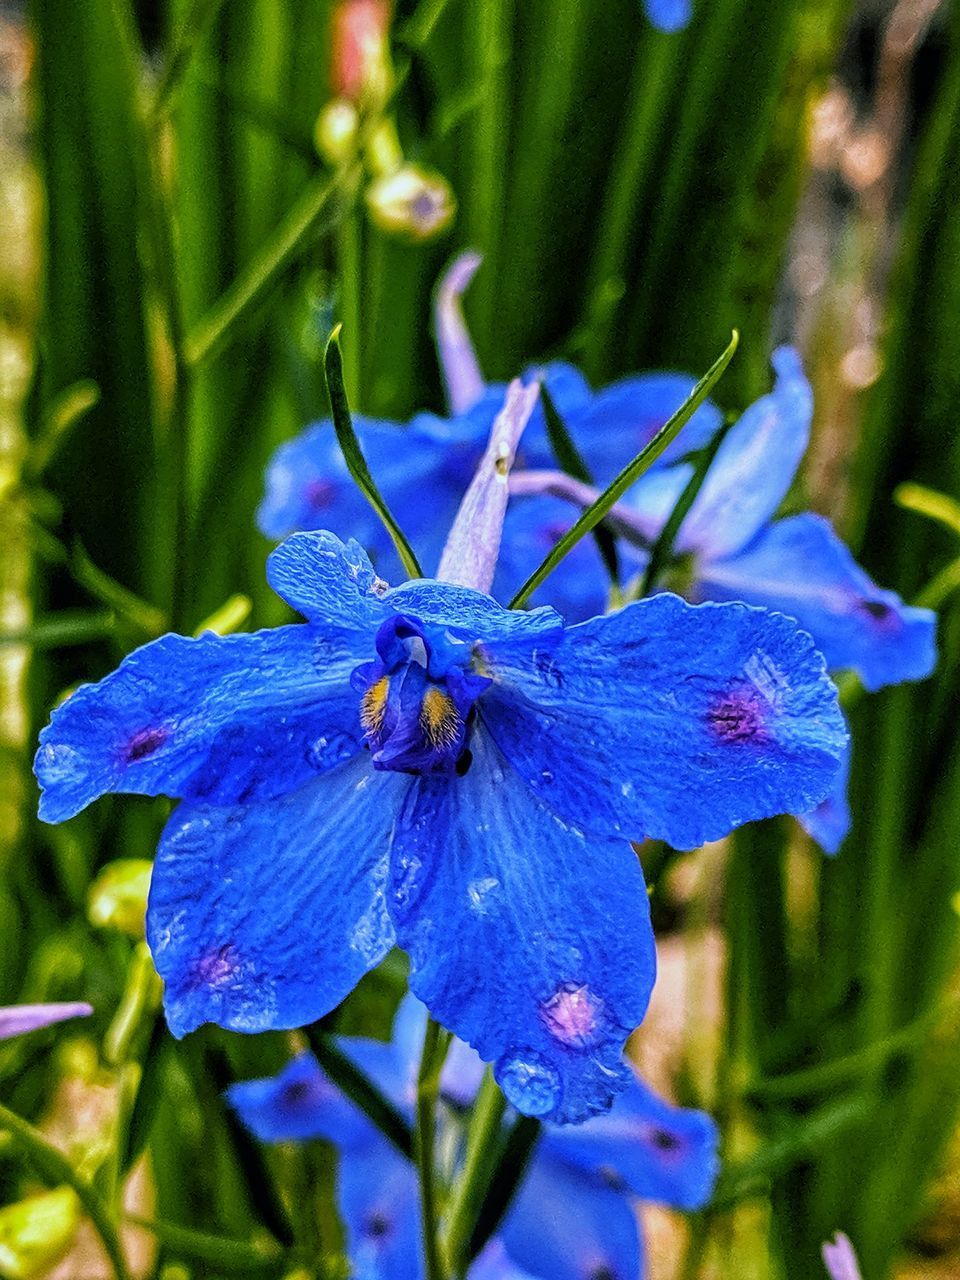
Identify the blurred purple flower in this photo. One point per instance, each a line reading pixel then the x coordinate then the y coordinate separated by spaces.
pixel 840 1259
pixel 18 1019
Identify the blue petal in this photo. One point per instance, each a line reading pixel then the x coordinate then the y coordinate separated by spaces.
pixel 525 939
pixel 299 1104
pixel 328 581
pixel 801 567
pixel 494 1263
pixel 578 588
pixel 468 613
pixel 659 1152
pixel 571 396
pixel 669 15
pixel 667 720
pixel 378 1201
pixel 224 718
pixel 566 1225
pixel 754 466
pixel 829 823
pixel 267 916
pixel 625 416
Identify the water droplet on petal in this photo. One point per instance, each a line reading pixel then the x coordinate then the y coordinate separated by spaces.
pixel 530 1085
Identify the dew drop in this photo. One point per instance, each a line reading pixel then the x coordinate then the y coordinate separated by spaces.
pixel 479 890
pixel 530 1085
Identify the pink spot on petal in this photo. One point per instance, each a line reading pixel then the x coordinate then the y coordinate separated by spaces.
pixel 217 967
pixel 144 744
pixel 573 1015
pixel 739 715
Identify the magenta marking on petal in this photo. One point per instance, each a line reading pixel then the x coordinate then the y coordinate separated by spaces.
pixel 145 743
pixel 573 1015
pixel 217 967
pixel 320 494
pixel 739 715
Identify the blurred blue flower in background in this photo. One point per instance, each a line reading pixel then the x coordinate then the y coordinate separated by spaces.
pixel 423 468
pixel 734 549
pixel 421 766
pixel 18 1019
pixel 669 15
pixel 574 1215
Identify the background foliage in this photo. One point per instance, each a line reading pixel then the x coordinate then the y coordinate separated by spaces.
pixel 176 252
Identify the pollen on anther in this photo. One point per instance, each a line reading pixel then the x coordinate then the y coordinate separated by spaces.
pixel 573 1015
pixel 373 705
pixel 439 718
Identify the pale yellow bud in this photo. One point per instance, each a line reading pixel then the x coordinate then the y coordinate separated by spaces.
pixel 118 897
pixel 335 133
pixel 411 203
pixel 37 1232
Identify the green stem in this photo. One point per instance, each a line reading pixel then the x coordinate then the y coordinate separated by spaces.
pixel 236 1255
pixel 49 1163
pixel 317 204
pixel 348 265
pixel 436 1041
pixel 515 1154
pixel 361 1091
pixel 483 1141
pixel 628 477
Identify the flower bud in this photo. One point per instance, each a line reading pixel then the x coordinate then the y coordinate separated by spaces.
pixel 37 1232
pixel 360 63
pixel 412 203
pixel 335 133
pixel 384 154
pixel 118 897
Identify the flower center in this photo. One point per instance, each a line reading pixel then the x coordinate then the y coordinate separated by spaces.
pixel 417 698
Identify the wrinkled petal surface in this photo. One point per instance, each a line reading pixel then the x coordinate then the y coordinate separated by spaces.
pixel 668 720
pixel 527 940
pixel 266 916
pixel 566 1225
pixel 659 1152
pixel 18 1019
pixel 224 718
pixel 801 567
pixel 754 466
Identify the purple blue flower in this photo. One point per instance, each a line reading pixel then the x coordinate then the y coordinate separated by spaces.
pixel 840 1259
pixel 574 1215
pixel 424 467
pixel 421 766
pixel 18 1019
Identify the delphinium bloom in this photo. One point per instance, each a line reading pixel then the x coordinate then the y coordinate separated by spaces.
pixel 423 468
pixel 574 1216
pixel 18 1019
pixel 421 766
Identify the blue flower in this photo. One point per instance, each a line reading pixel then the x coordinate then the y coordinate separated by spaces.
pixel 735 550
pixel 574 1216
pixel 829 823
pixel 669 15
pixel 18 1019
pixel 421 766
pixel 424 467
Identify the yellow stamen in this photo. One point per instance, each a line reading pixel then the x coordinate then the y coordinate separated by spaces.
pixel 373 705
pixel 439 719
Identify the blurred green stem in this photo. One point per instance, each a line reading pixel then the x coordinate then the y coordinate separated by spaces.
pixel 436 1042
pixel 483 1140
pixel 349 237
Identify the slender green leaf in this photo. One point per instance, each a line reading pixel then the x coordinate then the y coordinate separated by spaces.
pixel 353 454
pixel 628 476
pixel 358 1087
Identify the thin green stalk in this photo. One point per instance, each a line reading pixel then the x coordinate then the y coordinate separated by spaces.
pixel 469 1192
pixel 349 259
pixel 315 207
pixel 516 1152
pixel 628 476
pixel 662 550
pixel 436 1041
pixel 653 67
pixel 49 1163
pixel 199 18
pixel 361 1090
pixel 353 454
pixel 236 1255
